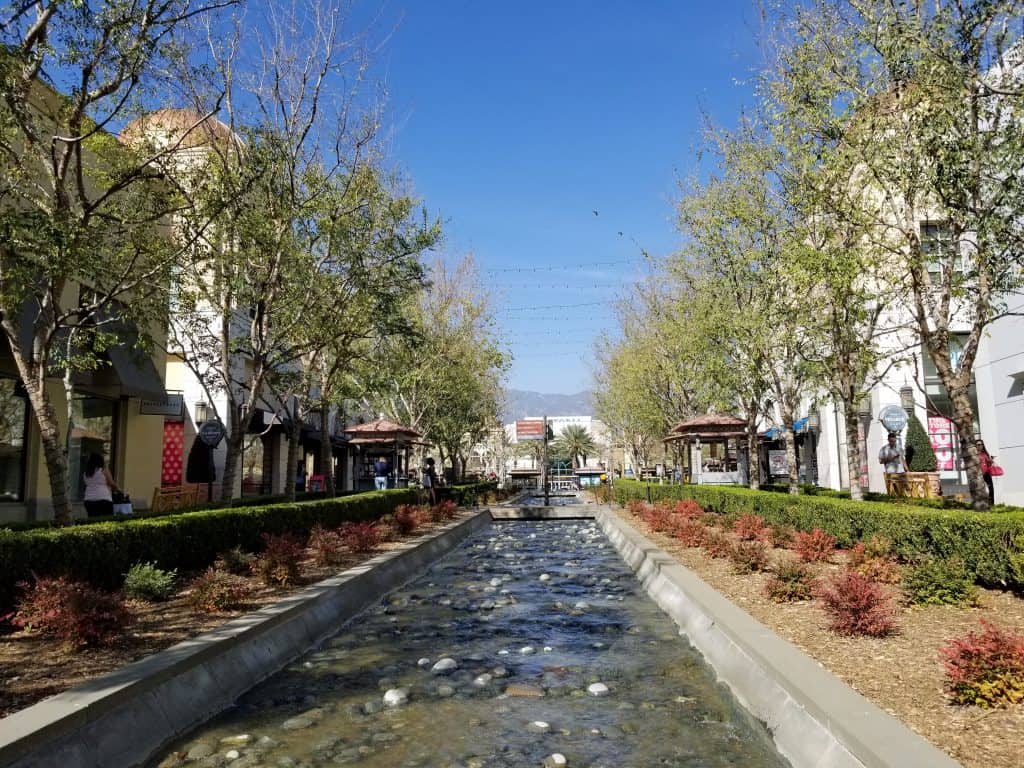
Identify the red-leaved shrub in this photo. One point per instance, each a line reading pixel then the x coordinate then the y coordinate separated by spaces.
pixel 793 580
pixel 215 590
pixel 717 544
pixel 782 536
pixel 327 545
pixel 751 528
pixel 407 518
pixel 749 556
pixel 985 668
pixel 688 508
pixel 659 518
pixel 858 606
pixel 689 532
pixel 636 507
pixel 443 510
pixel 279 561
pixel 72 611
pixel 814 546
pixel 361 537
pixel 865 561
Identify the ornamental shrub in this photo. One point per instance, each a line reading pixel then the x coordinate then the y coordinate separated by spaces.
pixel 279 562
pixel 716 544
pixel 688 508
pixel 444 510
pixel 864 558
pixel 361 538
pixel 327 545
pixel 144 581
pixel 72 611
pixel 751 528
pixel 749 556
pixel 689 533
pixel 985 668
pixel 940 582
pixel 235 560
pixel 782 536
pixel 814 546
pixel 215 591
pixel 920 456
pixel 792 581
pixel 407 518
pixel 858 606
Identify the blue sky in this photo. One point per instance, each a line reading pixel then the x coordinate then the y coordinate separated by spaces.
pixel 517 121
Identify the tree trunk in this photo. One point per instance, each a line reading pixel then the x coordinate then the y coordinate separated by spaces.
pixel 753 454
pixel 963 418
pixel 53 449
pixel 326 454
pixel 234 440
pixel 292 462
pixel 790 438
pixel 853 457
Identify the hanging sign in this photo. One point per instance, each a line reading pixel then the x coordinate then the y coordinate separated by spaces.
pixel 893 418
pixel 212 432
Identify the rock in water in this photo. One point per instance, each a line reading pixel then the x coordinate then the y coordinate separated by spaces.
pixel 396 697
pixel 444 666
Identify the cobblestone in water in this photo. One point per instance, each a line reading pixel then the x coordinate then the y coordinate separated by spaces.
pixel 592 621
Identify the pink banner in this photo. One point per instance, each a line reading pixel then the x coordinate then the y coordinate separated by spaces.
pixel 940 432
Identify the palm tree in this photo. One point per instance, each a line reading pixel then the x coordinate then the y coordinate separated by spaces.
pixel 575 443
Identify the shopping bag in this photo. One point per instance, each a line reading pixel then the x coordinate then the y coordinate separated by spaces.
pixel 995 470
pixel 122 504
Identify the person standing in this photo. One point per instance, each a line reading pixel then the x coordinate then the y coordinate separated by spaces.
pixel 891 456
pixel 380 474
pixel 99 488
pixel 987 465
pixel 430 480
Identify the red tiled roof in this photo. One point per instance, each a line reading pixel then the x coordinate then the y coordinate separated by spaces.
pixel 709 425
pixel 380 427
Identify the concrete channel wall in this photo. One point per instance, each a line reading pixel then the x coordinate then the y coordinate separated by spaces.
pixel 125 718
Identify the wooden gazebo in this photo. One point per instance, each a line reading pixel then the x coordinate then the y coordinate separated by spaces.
pixel 704 443
pixel 381 438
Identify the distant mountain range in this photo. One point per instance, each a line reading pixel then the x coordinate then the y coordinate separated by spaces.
pixel 522 403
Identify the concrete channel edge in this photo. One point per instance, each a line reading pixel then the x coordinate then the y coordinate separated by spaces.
pixel 817 721
pixel 126 717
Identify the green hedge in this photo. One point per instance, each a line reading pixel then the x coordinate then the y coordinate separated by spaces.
pixel 102 552
pixel 992 544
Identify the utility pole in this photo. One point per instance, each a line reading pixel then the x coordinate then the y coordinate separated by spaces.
pixel 544 467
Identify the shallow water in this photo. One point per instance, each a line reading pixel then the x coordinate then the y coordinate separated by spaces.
pixel 532 613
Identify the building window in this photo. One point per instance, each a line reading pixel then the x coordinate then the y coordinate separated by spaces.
pixel 939 251
pixel 13 424
pixel 95 427
pixel 252 465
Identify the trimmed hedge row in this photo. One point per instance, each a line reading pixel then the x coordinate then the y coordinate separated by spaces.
pixel 991 544
pixel 102 553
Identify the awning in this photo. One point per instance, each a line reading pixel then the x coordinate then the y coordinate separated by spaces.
pixel 136 372
pixel 800 425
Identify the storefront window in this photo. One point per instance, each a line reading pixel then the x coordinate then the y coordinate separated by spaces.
pixel 13 414
pixel 252 465
pixel 95 420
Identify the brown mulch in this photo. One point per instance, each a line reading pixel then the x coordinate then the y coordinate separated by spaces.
pixel 902 673
pixel 33 667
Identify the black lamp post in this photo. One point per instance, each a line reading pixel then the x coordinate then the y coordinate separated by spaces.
pixel 813 428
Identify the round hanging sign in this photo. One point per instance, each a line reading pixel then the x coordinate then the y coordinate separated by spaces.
pixel 893 418
pixel 212 432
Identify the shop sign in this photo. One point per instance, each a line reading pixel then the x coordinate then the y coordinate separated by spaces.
pixel 940 433
pixel 529 429
pixel 778 464
pixel 893 418
pixel 212 432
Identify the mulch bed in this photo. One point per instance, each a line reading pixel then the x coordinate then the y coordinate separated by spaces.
pixel 902 673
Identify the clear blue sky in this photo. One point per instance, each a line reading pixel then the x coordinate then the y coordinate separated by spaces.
pixel 516 121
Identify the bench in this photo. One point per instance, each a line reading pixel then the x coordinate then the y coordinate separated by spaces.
pixel 170 497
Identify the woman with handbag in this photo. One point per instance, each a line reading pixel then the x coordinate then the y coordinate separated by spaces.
pixel 989 469
pixel 99 488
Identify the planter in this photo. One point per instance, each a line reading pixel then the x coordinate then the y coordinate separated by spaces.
pixel 914 485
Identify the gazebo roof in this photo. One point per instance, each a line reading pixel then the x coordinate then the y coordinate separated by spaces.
pixel 380 431
pixel 709 425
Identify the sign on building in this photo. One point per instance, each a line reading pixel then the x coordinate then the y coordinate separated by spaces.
pixel 529 429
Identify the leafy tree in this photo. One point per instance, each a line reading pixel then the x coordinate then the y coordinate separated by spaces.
pixel 80 254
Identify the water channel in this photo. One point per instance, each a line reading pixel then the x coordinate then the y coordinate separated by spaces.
pixel 530 639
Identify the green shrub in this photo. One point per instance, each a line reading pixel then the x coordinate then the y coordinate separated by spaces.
pixel 939 582
pixel 101 553
pixel 793 580
pixel 144 581
pixel 235 560
pixel 920 456
pixel 991 544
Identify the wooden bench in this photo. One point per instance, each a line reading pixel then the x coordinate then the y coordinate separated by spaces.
pixel 170 497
